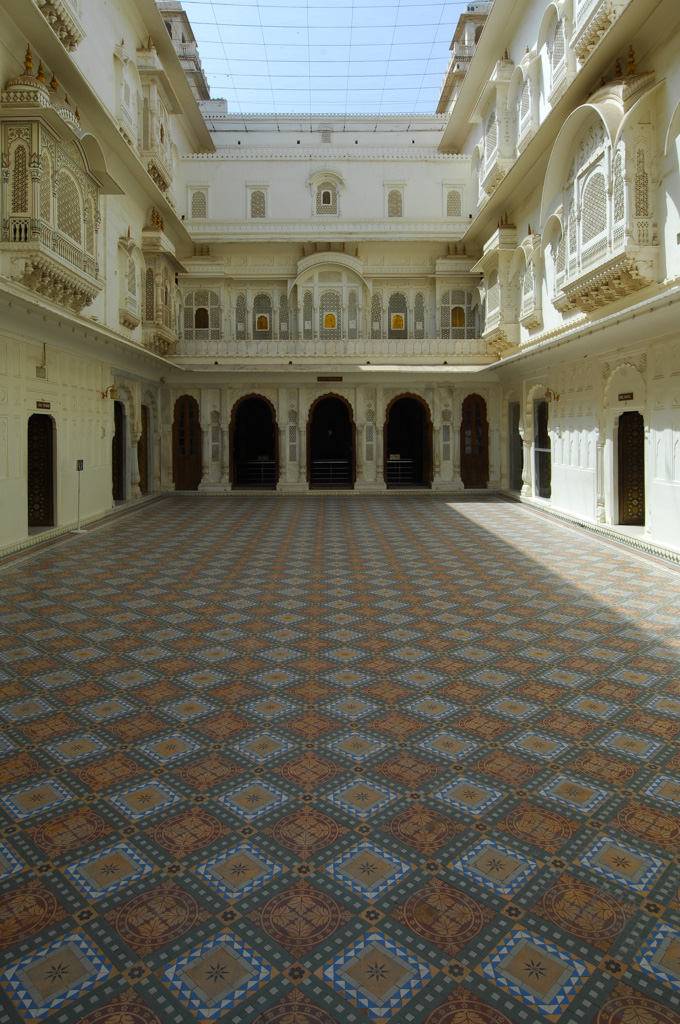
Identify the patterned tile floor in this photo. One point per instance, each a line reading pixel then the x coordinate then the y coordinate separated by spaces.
pixel 298 761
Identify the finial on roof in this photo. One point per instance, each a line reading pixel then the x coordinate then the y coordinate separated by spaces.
pixel 528 229
pixel 54 84
pixel 505 55
pixel 455 250
pixel 303 252
pixel 630 62
pixel 528 49
pixel 28 61
pixel 41 73
pixel 356 252
pixel 464 250
pixel 617 69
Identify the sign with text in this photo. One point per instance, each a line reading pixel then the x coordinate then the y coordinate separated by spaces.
pixel 626 396
pixel 79 465
pixel 43 405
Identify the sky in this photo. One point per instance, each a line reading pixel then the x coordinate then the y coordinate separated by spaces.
pixel 344 57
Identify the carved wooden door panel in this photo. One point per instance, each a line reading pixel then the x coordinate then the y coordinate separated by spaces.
pixel 631 469
pixel 40 471
pixel 474 443
pixel 186 445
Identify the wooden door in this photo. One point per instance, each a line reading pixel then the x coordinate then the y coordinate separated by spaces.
pixel 474 443
pixel 542 451
pixel 631 469
pixel 40 471
pixel 118 453
pixel 143 452
pixel 186 445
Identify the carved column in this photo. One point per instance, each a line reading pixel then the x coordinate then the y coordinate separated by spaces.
pixel 527 488
pixel 283 453
pixel 224 464
pixel 600 514
pixel 205 456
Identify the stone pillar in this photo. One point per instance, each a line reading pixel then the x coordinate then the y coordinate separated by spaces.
pixel 135 491
pixel 224 464
pixel 600 513
pixel 157 461
pixel 205 456
pixel 527 469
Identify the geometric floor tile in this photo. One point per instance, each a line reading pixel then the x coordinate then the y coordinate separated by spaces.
pixel 252 799
pixel 361 798
pixel 300 917
pixel 84 744
pixel 143 799
pixel 539 744
pixel 630 744
pixel 156 917
pixel 623 864
pixel 666 788
pixel 660 955
pixel 106 871
pixel 213 978
pixel 170 748
pixel 263 746
pixel 53 975
pixel 443 916
pixel 238 871
pixel 351 707
pixel 10 864
pixel 571 792
pixel 35 798
pixel 496 866
pixel 448 745
pixel 535 971
pixel 584 911
pixel 377 975
pixel 368 869
pixel 467 795
pixel 357 746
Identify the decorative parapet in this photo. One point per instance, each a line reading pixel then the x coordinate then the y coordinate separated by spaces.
pixel 466 351
pixel 43 272
pixel 160 340
pixel 62 17
pixel 593 19
pixel 618 277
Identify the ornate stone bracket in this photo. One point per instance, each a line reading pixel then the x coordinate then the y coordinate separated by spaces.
pixel 43 275
pixel 618 277
pixel 63 21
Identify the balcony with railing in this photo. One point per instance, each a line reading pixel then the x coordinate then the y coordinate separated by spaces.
pixel 62 15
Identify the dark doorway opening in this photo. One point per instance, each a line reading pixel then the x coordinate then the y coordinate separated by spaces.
pixel 143 452
pixel 474 443
pixel 542 451
pixel 254 448
pixel 40 470
pixel 118 452
pixel 631 469
pixel 186 445
pixel 408 444
pixel 516 448
pixel 330 444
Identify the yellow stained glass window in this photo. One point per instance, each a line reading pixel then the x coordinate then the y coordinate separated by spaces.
pixel 397 322
pixel 458 316
pixel 262 323
pixel 329 321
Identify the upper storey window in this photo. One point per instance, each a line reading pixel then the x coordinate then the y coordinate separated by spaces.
pixel 395 203
pixel 326 198
pixel 454 204
pixel 199 205
pixel 258 203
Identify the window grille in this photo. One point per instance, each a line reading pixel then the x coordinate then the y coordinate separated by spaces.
pixel 46 188
pixel 594 217
pixel 20 181
pixel 641 185
pixel 69 216
pixel 352 316
pixel 149 295
pixel 89 227
pixel 491 138
pixel 284 318
pixel 146 124
pixel 395 203
pixel 454 204
pixel 397 326
pixel 528 287
pixel 307 315
pixel 199 205
pixel 329 315
pixel 257 203
pixel 326 198
pixel 240 317
pixel 558 56
pixel 446 442
pixel 376 316
pixel 561 256
pixel 262 317
pixel 571 228
pixel 619 194
pixel 493 291
pixel 131 280
pixel 326 136
pixel 419 316
pixel 525 101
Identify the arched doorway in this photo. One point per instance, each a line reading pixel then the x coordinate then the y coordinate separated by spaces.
pixel 330 443
pixel 631 469
pixel 186 445
pixel 408 443
pixel 542 451
pixel 254 447
pixel 40 470
pixel 143 452
pixel 474 443
pixel 118 452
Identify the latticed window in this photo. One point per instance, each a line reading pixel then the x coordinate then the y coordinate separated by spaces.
pixel 46 188
pixel 149 295
pixel 641 185
pixel 199 205
pixel 419 315
pixel 284 318
pixel 619 194
pixel 457 317
pixel 131 279
pixel 146 124
pixel 240 317
pixel 560 261
pixel 558 55
pixel 20 181
pixel 571 229
pixel 329 315
pixel 493 291
pixel 353 316
pixel 395 204
pixel 528 284
pixel 69 216
pixel 258 206
pixel 89 226
pixel 376 316
pixel 262 317
pixel 454 203
pixel 491 137
pixel 525 100
pixel 307 316
pixel 326 198
pixel 594 216
pixel 397 316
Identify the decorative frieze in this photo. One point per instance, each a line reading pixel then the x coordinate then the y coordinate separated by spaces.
pixel 62 17
pixel 619 276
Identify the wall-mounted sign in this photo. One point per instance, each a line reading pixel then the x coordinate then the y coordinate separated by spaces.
pixel 626 396
pixel 43 405
pixel 327 380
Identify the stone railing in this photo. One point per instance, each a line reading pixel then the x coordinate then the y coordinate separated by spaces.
pixel 364 350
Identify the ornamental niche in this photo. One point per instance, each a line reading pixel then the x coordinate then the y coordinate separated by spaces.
pixel 50 198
